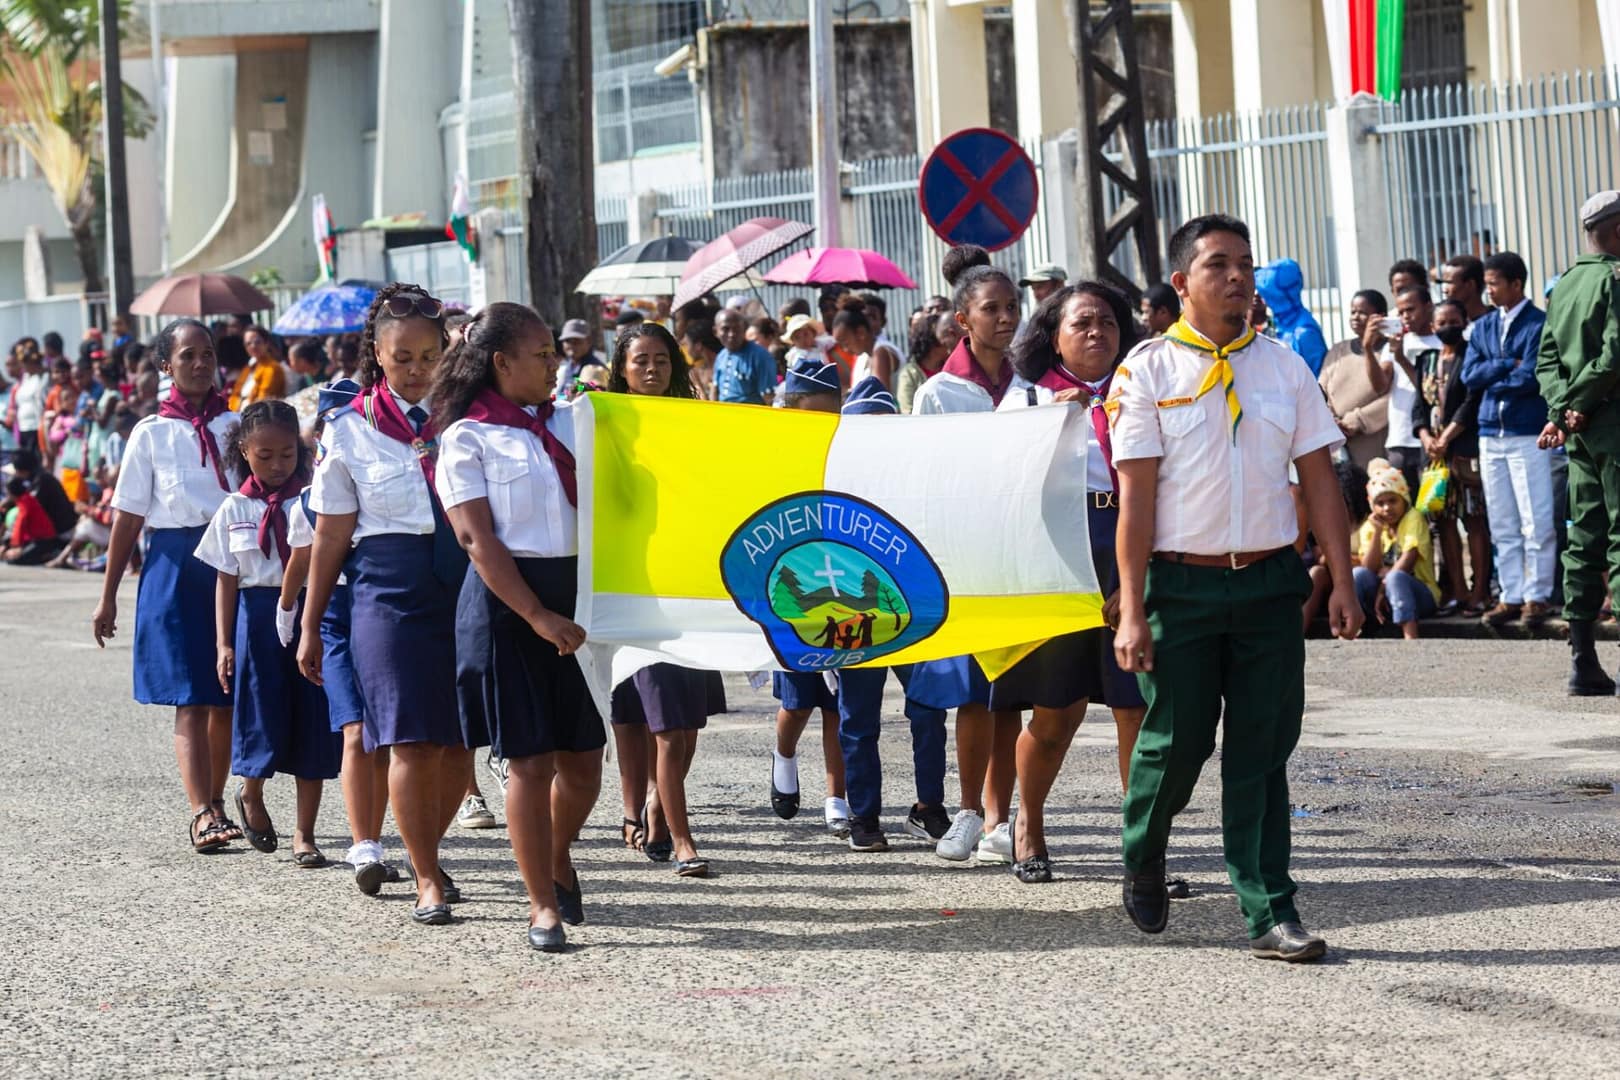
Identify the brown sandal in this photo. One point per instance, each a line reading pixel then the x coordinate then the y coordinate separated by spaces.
pixel 210 839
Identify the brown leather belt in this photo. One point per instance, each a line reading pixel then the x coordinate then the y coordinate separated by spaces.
pixel 1103 500
pixel 1236 560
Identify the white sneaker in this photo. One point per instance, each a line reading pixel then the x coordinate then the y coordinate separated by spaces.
pixel 497 769
pixel 475 814
pixel 996 846
pixel 962 837
pixel 837 814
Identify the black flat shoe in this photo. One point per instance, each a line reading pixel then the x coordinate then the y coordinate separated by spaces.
pixel 260 841
pixel 570 902
pixel 1146 900
pixel 786 806
pixel 1177 889
pixel 433 915
pixel 447 885
pixel 369 878
pixel 1035 870
pixel 550 939
pixel 309 860
pixel 659 850
pixel 1290 942
pixel 692 868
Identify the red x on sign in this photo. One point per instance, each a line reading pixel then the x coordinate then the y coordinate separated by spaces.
pixel 978 187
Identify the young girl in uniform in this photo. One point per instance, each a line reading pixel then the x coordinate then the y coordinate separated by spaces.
pixel 664 705
pixel 974 379
pixel 812 384
pixel 506 478
pixel 379 517
pixel 280 720
pixel 172 480
pixel 1075 340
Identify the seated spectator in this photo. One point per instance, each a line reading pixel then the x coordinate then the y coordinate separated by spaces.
pixel 48 489
pixel 1361 410
pixel 1394 556
pixel 86 548
pixel 33 538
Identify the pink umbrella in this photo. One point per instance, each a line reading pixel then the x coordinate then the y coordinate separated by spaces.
pixel 200 294
pixel 856 267
pixel 718 261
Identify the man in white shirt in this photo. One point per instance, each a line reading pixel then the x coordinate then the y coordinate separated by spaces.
pixel 1206 421
pixel 1395 369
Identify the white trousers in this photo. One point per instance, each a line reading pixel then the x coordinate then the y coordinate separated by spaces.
pixel 1519 505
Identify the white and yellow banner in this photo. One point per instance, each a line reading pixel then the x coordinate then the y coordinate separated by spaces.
pixel 739 538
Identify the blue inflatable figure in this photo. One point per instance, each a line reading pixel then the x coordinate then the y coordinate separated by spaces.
pixel 1280 284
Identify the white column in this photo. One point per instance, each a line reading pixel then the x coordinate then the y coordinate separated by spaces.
pixel 1273 53
pixel 1048 99
pixel 1360 194
pixel 413 84
pixel 1201 48
pixel 948 71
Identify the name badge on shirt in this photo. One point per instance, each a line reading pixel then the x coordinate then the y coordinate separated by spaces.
pixel 1171 403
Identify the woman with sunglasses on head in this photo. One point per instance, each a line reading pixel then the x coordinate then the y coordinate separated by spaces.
pixel 379 518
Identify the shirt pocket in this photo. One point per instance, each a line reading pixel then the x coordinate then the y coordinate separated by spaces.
pixel 511 489
pixel 176 487
pixel 1279 418
pixel 243 537
pixel 1179 421
pixel 383 487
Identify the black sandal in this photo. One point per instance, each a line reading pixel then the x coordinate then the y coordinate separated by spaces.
pixel 232 830
pixel 656 850
pixel 692 868
pixel 309 860
pixel 260 841
pixel 637 840
pixel 210 839
pixel 1035 870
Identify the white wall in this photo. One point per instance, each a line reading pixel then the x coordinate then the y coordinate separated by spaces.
pixel 202 109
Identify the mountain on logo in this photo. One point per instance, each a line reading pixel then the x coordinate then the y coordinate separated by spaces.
pixel 859 606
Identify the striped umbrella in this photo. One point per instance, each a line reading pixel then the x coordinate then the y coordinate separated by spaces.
pixel 731 255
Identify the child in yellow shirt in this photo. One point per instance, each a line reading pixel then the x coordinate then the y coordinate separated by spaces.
pixel 1393 554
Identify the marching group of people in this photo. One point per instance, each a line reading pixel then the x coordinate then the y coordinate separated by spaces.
pixel 374 596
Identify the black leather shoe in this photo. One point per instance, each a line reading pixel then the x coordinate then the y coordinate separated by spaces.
pixel 786 806
pixel 549 939
pixel 432 915
pixel 1586 675
pixel 570 902
pixel 1288 941
pixel 1177 888
pixel 1146 900
pixel 447 886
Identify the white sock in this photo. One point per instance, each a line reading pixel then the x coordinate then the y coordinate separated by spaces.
pixel 837 807
pixel 785 773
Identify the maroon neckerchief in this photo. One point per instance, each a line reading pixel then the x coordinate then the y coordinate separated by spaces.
pixel 961 364
pixel 178 407
pixel 273 522
pixel 1059 378
pixel 376 403
pixel 491 408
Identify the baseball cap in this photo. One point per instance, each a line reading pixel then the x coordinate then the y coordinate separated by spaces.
pixel 1045 272
pixel 1600 208
pixel 574 330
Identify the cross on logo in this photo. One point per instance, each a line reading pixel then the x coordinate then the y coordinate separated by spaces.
pixel 830 574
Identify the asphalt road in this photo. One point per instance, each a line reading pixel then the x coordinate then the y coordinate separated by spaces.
pixel 1457 841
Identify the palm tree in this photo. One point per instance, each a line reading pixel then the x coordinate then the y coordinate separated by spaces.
pixel 45 48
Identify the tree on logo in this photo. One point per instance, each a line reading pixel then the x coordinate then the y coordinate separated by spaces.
pixel 891 602
pixel 787 596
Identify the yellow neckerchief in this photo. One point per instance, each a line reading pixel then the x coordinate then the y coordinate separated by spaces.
pixel 1220 372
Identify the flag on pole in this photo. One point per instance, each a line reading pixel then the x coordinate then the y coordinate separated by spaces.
pixel 325 240
pixel 460 227
pixel 856 541
pixel 1365 45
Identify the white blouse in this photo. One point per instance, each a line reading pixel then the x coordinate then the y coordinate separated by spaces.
pixel 364 471
pixel 509 467
pixel 947 393
pixel 301 533
pixel 163 476
pixel 231 544
pixel 1098 478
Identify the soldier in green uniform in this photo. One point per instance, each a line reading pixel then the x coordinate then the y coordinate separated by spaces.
pixel 1579 372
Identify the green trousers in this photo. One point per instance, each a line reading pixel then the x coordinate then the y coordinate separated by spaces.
pixel 1232 637
pixel 1594 520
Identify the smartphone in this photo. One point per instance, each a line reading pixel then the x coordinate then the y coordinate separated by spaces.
pixel 1390 325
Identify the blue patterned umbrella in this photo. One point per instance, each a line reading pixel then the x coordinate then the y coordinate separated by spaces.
pixel 328 309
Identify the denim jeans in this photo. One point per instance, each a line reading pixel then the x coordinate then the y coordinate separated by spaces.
pixel 1409 599
pixel 860 712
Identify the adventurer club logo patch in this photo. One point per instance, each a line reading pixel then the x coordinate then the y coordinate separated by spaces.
pixel 832 580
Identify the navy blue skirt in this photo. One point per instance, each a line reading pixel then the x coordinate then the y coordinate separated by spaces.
pixel 800 690
pixel 516 693
pixel 343 699
pixel 175 659
pixel 1079 666
pixel 668 697
pixel 948 684
pixel 402 637
pixel 280 723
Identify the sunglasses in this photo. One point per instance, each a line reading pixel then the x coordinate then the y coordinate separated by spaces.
pixel 404 305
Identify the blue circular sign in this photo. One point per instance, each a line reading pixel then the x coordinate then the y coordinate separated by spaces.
pixel 979 187
pixel 832 580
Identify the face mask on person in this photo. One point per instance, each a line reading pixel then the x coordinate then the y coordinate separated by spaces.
pixel 1451 336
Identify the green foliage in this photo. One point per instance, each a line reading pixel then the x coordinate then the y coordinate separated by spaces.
pixel 265 277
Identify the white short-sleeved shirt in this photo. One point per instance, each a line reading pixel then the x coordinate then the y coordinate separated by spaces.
pixel 1217 496
pixel 31 391
pixel 509 467
pixel 231 544
pixel 1402 392
pixel 163 476
pixel 301 534
pixel 947 393
pixel 364 471
pixel 1098 478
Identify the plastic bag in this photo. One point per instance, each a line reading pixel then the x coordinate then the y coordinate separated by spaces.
pixel 1432 489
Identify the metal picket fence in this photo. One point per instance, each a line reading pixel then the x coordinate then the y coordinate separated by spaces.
pixel 1477 169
